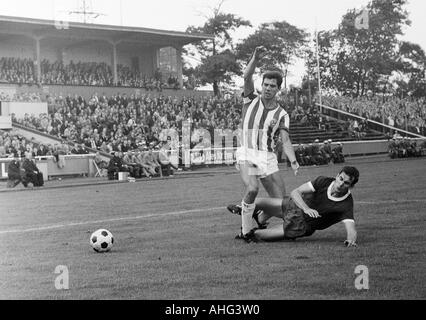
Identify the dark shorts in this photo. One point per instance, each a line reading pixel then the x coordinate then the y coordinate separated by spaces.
pixel 295 225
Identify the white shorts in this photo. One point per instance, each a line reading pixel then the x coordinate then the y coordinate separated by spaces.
pixel 265 163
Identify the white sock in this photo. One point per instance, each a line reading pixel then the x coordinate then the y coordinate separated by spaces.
pixel 246 217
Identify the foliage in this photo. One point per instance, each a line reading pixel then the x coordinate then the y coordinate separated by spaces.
pixel 358 59
pixel 218 61
pixel 283 43
pixel 412 67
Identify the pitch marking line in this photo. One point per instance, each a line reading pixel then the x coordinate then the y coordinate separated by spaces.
pixel 390 201
pixel 73 224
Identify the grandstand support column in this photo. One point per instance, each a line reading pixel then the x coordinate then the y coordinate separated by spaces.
pixel 114 62
pixel 179 65
pixel 155 59
pixel 37 58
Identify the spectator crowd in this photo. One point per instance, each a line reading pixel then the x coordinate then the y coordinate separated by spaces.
pixel 123 123
pixel 407 113
pixel 405 147
pixel 23 71
pixel 147 162
pixel 316 154
pixel 139 130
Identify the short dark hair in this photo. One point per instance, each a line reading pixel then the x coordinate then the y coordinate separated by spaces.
pixel 273 75
pixel 353 173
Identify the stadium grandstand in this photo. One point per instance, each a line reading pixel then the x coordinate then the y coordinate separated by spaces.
pixel 67 86
pixel 56 52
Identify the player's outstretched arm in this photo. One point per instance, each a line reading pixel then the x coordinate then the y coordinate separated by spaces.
pixel 296 195
pixel 289 150
pixel 351 233
pixel 249 71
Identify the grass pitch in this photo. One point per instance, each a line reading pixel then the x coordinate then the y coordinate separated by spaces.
pixel 174 239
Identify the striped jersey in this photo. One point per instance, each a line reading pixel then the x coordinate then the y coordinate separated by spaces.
pixel 260 127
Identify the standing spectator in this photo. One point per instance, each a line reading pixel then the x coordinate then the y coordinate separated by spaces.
pixel 42 150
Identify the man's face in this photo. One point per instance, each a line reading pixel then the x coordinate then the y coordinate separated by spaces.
pixel 269 88
pixel 343 183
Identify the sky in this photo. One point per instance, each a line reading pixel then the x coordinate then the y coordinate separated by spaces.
pixel 179 14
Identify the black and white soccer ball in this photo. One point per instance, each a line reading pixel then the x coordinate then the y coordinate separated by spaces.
pixel 101 240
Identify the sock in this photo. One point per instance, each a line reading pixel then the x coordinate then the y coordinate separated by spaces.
pixel 262 218
pixel 246 217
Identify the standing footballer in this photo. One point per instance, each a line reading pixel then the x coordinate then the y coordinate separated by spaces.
pixel 263 121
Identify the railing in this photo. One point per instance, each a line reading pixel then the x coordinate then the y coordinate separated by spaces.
pixel 43 137
pixel 66 165
pixel 82 165
pixel 336 113
pixel 87 91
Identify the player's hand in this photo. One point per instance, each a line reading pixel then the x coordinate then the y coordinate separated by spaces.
pixel 312 213
pixel 259 52
pixel 349 243
pixel 295 166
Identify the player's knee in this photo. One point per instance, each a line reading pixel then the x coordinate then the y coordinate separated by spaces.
pixel 252 191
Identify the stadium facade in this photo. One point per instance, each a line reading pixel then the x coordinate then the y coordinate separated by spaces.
pixel 142 49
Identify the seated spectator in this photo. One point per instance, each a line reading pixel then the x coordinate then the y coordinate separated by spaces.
pixel 393 149
pixel 131 167
pixel 3 153
pixel 31 173
pixel 315 153
pixel 138 158
pixel 326 152
pixel 14 174
pixel 147 161
pixel 115 166
pixel 297 114
pixel 337 154
pixel 100 162
pixel 300 155
pixel 164 160
pixel 414 150
pixel 151 161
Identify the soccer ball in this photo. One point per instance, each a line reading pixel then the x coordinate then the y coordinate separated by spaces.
pixel 101 240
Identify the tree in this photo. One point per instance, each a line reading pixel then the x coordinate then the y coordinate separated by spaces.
pixel 219 67
pixel 283 42
pixel 412 67
pixel 355 57
pixel 217 53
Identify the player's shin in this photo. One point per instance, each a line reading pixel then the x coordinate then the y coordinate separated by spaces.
pixel 246 217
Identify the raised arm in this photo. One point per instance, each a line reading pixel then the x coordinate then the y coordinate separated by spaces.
pixel 249 71
pixel 296 195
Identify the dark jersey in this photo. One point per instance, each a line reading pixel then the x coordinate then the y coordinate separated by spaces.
pixel 332 210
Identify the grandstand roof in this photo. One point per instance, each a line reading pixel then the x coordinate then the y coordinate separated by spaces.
pixel 77 31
